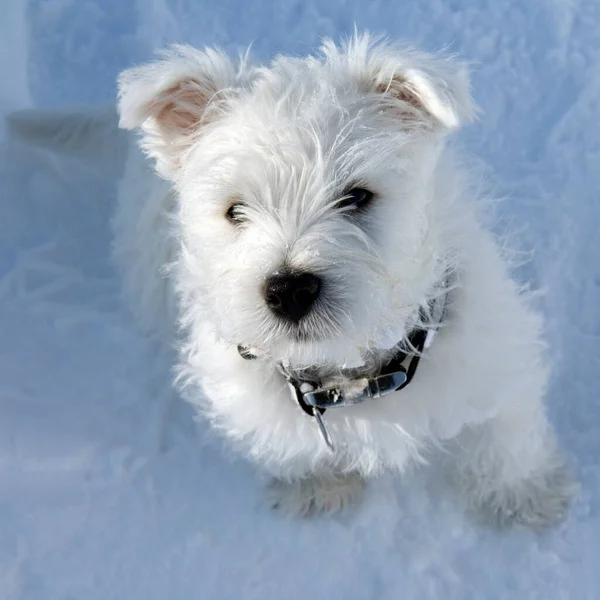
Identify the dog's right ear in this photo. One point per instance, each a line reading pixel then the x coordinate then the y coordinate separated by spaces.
pixel 172 99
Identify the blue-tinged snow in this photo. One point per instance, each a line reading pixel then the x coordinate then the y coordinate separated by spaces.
pixel 108 490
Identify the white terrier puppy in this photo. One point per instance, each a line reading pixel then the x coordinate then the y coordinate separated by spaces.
pixel 308 237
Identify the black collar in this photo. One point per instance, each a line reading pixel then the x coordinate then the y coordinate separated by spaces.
pixel 314 398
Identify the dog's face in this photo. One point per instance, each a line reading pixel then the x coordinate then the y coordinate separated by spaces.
pixel 309 216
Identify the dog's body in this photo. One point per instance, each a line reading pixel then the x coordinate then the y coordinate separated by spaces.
pixel 330 177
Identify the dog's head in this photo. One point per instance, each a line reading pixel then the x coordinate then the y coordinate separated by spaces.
pixel 311 195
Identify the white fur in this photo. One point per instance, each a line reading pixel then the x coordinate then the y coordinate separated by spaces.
pixel 288 139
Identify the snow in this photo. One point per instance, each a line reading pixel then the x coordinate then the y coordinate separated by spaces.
pixel 109 490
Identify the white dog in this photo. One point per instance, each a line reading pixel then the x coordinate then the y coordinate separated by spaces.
pixel 308 236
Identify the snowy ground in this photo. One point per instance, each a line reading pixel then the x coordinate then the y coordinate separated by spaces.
pixel 104 493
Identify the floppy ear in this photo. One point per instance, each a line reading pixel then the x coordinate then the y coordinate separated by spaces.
pixel 428 91
pixel 172 99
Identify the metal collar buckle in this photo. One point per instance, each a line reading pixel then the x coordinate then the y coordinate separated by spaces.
pixel 375 387
pixel 323 398
pixel 316 401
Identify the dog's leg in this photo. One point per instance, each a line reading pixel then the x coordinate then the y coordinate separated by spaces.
pixel 322 492
pixel 511 470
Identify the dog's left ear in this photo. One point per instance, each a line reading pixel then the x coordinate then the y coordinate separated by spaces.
pixel 438 99
pixel 171 100
pixel 428 91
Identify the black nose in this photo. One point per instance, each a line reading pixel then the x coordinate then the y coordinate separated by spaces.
pixel 292 294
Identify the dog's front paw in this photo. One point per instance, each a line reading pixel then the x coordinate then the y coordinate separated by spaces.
pixel 317 494
pixel 538 501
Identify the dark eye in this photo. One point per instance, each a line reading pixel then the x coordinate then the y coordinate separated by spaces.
pixel 356 199
pixel 235 213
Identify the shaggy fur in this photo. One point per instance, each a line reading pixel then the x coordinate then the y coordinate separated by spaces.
pixel 287 141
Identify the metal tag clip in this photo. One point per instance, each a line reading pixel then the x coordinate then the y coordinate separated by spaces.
pixel 323 428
